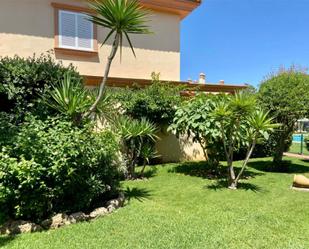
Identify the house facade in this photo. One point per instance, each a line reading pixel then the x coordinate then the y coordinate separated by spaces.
pixel 60 27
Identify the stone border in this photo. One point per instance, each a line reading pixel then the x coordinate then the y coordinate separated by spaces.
pixel 13 227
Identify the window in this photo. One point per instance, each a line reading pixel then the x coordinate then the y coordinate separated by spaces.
pixel 75 31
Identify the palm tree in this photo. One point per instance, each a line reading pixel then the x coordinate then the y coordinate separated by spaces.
pixel 121 18
pixel 260 126
pixel 240 123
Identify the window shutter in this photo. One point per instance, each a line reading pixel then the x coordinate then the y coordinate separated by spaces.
pixel 84 32
pixel 67 29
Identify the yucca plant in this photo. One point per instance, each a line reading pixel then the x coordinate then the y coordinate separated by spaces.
pixel 121 18
pixel 260 126
pixel 134 134
pixel 240 123
pixel 147 152
pixel 68 97
pixel 72 99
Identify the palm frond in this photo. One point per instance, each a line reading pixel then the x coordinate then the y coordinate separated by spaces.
pixel 122 17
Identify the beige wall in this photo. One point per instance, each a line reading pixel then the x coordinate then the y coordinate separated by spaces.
pixel 27 27
pixel 173 149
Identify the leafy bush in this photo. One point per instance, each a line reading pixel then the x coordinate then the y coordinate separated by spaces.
pixel 194 120
pixel 222 125
pixel 286 95
pixel 7 128
pixel 23 80
pixel 53 166
pixel 157 102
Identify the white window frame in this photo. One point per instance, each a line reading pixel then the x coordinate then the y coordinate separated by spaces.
pixel 76 47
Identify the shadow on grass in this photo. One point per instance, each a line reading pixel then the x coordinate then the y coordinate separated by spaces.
pixel 151 171
pixel 199 169
pixel 285 167
pixel 222 184
pixel 139 194
pixel 5 240
pixel 203 170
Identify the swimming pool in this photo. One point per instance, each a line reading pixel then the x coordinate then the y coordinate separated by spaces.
pixel 297 138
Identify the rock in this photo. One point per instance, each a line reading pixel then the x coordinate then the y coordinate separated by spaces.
pixel 56 221
pixel 46 223
pixel 98 212
pixel 78 217
pixel 122 198
pixel 116 203
pixel 19 226
pixel 111 208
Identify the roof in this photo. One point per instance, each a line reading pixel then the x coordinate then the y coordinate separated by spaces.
pixel 189 87
pixel 180 7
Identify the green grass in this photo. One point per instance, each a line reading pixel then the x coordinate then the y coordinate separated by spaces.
pixel 295 148
pixel 179 208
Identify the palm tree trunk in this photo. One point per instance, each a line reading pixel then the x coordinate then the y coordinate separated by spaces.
pixel 229 158
pixel 105 77
pixel 249 153
pixel 143 169
pixel 231 175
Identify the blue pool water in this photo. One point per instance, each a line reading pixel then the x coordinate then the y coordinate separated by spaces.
pixel 297 138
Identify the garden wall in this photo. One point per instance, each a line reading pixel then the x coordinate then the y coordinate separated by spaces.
pixel 173 149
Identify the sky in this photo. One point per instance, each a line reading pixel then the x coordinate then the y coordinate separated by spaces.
pixel 241 41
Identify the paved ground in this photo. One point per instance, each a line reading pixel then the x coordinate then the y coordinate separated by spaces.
pixel 296 156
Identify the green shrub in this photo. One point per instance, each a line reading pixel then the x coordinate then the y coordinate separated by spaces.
pixel 22 80
pixel 157 102
pixel 193 118
pixel 7 128
pixel 54 166
pixel 286 96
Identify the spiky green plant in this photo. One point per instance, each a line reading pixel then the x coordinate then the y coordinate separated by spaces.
pixel 72 99
pixel 134 133
pixel 240 123
pixel 260 126
pixel 68 98
pixel 147 152
pixel 121 18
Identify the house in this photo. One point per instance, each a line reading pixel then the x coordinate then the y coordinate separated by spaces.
pixel 30 27
pixel 59 27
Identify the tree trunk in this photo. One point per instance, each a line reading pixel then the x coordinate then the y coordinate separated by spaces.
pixel 279 150
pixel 231 176
pixel 105 77
pixel 143 169
pixel 249 153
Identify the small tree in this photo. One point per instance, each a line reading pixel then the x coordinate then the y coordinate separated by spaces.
pixel 241 123
pixel 193 118
pixel 286 95
pixel 121 17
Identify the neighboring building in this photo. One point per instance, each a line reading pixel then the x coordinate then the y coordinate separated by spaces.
pixel 30 27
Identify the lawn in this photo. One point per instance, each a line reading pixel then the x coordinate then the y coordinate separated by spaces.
pixel 179 207
pixel 295 148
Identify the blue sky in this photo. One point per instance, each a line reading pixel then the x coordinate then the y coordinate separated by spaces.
pixel 241 41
